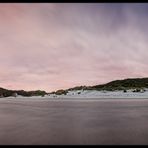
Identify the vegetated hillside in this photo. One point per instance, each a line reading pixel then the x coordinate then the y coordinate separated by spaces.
pixel 131 83
pixel 123 84
pixel 7 93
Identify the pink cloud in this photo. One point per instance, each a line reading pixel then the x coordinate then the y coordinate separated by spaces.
pixel 55 46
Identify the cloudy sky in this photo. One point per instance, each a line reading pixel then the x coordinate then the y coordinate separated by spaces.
pixel 57 46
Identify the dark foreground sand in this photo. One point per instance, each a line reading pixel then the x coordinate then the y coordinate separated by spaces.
pixel 113 121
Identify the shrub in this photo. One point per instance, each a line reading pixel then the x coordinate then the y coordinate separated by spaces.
pixel 137 90
pixel 61 91
pixel 125 91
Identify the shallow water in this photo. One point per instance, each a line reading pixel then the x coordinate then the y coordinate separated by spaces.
pixel 63 121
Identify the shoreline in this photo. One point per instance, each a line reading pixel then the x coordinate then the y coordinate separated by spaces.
pixel 70 99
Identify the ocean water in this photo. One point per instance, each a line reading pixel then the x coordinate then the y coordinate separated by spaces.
pixel 71 122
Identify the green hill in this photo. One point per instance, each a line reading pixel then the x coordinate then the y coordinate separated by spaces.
pixel 125 84
pixel 132 83
pixel 7 93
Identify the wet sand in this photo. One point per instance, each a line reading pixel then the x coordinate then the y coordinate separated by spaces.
pixel 103 121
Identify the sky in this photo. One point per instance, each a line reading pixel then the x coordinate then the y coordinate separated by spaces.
pixel 51 46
